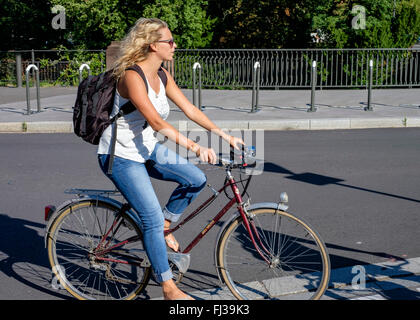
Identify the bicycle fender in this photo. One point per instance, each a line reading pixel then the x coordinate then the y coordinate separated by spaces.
pixel 54 216
pixel 70 202
pixel 260 205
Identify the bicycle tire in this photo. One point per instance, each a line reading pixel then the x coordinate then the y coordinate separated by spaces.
pixel 71 241
pixel 288 276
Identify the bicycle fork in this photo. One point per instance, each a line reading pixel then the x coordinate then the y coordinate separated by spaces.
pixel 248 221
pixel 251 228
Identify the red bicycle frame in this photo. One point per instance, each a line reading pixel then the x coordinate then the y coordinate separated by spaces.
pixel 238 199
pixel 102 249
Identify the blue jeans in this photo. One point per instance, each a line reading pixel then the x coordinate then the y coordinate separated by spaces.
pixel 132 179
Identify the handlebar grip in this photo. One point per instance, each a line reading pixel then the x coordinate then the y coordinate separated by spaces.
pixel 232 153
pixel 245 154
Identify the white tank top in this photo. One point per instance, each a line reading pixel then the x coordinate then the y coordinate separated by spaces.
pixel 133 142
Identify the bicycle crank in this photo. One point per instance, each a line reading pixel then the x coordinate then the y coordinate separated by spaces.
pixel 103 266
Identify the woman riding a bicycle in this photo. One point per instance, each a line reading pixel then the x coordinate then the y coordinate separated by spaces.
pixel 139 156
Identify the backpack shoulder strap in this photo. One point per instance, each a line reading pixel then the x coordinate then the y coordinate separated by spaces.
pixel 163 76
pixel 161 73
pixel 129 107
pixel 137 69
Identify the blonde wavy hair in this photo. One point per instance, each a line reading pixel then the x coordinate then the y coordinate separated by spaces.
pixel 135 45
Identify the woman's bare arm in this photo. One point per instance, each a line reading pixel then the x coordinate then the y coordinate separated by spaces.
pixel 131 86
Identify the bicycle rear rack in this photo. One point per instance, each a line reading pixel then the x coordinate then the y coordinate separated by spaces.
pixel 92 192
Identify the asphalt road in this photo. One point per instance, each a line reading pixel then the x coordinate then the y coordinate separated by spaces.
pixel 358 188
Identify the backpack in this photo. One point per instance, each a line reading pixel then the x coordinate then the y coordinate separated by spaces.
pixel 94 104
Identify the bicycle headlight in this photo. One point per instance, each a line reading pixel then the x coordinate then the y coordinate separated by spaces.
pixel 284 198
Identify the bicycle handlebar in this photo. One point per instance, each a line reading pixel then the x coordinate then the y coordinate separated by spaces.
pixel 246 156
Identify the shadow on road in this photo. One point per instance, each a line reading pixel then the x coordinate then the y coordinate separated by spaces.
pixel 388 289
pixel 24 258
pixel 23 255
pixel 321 180
pixel 340 261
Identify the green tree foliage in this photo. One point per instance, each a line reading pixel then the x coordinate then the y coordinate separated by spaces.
pixel 387 24
pixel 261 24
pixel 95 23
pixel 406 29
pixel 289 24
pixel 26 24
pixel 188 20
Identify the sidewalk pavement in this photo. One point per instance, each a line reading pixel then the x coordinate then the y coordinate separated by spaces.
pixel 231 109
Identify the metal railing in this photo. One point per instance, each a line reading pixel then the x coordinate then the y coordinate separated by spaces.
pixel 232 69
pixel 55 66
pixel 291 68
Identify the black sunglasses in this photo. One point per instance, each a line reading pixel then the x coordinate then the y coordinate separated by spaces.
pixel 170 41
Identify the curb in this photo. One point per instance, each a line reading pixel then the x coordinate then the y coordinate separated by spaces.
pixel 280 124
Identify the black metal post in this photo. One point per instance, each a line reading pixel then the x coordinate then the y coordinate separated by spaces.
pixel 83 66
pixel 195 66
pixel 255 86
pixel 369 103
pixel 33 62
pixel 19 70
pixel 313 83
pixel 38 96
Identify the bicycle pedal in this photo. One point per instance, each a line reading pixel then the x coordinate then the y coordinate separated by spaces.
pixel 181 260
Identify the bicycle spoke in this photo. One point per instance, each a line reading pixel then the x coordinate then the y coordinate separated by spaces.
pixel 294 256
pixel 74 246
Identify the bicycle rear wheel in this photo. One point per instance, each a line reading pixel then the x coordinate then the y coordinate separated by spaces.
pixel 293 263
pixel 77 235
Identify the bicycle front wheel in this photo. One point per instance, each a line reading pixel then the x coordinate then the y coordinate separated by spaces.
pixel 288 261
pixel 76 239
